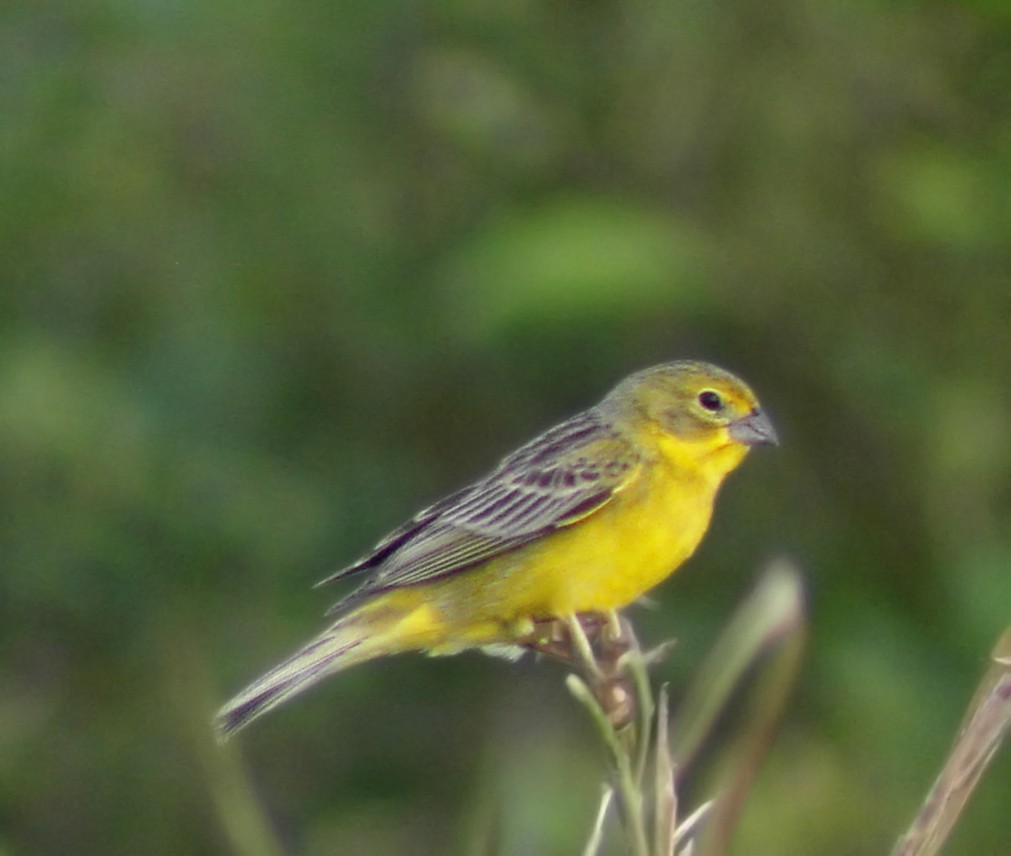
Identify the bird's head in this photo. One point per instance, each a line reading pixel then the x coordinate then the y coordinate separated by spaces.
pixel 695 410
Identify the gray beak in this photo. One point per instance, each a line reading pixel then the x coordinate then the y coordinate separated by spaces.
pixel 755 429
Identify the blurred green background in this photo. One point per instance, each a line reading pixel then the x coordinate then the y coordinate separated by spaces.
pixel 274 275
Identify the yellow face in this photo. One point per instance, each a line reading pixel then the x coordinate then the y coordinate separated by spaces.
pixel 696 403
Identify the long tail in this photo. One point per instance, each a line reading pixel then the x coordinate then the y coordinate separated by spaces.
pixel 355 638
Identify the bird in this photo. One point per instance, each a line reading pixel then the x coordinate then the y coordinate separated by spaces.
pixel 582 520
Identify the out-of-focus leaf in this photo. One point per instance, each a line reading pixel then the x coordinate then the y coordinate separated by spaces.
pixel 575 257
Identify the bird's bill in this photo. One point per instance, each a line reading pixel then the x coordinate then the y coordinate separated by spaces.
pixel 755 429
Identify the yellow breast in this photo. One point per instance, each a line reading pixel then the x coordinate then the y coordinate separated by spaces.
pixel 599 563
pixel 613 557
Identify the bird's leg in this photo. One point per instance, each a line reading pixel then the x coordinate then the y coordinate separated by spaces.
pixel 595 645
pixel 615 688
pixel 548 637
pixel 553 637
pixel 588 639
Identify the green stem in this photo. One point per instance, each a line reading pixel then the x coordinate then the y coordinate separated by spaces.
pixel 625 784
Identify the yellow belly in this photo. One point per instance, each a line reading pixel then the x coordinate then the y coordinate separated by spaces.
pixel 600 563
pixel 615 556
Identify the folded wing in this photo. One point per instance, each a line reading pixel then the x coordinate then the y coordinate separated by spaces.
pixel 555 480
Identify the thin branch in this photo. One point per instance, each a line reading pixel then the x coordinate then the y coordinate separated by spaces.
pixel 614 687
pixel 592 847
pixel 983 730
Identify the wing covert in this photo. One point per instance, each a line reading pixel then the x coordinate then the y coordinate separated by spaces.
pixel 555 480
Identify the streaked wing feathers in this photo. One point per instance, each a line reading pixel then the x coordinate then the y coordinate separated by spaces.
pixel 555 480
pixel 392 541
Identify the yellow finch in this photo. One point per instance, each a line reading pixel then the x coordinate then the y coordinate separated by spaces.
pixel 583 519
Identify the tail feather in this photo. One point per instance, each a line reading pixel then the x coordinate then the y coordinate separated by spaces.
pixel 338 648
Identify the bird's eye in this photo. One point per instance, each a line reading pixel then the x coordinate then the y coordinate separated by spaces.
pixel 710 400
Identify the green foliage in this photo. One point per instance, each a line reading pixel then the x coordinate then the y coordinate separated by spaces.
pixel 275 275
